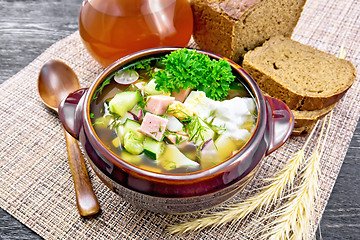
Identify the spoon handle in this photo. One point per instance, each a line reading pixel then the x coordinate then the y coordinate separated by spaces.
pixel 86 200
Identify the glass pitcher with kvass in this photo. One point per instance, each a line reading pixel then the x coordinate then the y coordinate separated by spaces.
pixel 111 29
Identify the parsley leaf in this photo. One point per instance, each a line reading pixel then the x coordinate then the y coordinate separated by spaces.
pixel 186 68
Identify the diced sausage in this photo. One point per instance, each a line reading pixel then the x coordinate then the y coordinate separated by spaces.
pixel 158 104
pixel 153 126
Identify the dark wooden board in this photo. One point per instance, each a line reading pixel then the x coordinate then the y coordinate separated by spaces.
pixel 28 27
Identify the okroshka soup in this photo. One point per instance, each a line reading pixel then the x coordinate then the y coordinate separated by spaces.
pixel 179 113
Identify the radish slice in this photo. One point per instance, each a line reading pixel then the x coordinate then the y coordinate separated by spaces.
pixel 137 114
pixel 126 77
pixel 127 115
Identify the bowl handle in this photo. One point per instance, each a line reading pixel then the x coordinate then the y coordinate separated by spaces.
pixel 280 123
pixel 70 110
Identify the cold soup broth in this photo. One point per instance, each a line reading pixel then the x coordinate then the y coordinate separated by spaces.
pixel 179 113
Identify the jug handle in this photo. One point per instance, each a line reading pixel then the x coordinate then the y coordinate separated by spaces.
pixel 70 112
pixel 280 123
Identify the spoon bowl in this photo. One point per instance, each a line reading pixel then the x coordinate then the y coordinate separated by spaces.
pixel 56 81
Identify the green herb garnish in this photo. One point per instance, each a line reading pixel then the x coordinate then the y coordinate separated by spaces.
pixel 186 68
pixel 116 121
pixel 98 123
pixel 99 90
pixel 196 130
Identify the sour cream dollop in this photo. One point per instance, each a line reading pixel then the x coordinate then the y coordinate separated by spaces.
pixel 228 114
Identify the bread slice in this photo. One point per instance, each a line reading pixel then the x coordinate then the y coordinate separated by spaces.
pixel 305 118
pixel 297 131
pixel 232 27
pixel 299 75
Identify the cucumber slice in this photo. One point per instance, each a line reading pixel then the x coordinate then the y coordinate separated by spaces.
pixel 123 102
pixel 132 126
pixel 132 144
pixel 153 148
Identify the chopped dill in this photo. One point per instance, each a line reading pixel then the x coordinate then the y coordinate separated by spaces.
pixel 196 130
pixel 98 123
pixel 99 90
pixel 115 123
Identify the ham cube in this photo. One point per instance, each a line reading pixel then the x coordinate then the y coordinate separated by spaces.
pixel 153 126
pixel 181 95
pixel 158 104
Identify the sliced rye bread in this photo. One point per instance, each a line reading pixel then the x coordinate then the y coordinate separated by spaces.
pixel 299 75
pixel 233 27
pixel 297 131
pixel 306 118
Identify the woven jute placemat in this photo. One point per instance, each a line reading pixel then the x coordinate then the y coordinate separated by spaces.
pixel 35 181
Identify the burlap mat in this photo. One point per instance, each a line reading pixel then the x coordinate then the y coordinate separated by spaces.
pixel 35 182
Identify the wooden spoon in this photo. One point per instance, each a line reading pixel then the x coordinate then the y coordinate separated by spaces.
pixel 56 80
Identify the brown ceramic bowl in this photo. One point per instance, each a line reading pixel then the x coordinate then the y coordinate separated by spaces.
pixel 177 193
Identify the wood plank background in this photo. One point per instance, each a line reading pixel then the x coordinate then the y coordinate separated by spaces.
pixel 28 27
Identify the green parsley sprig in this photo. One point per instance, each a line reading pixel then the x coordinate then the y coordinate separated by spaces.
pixel 186 68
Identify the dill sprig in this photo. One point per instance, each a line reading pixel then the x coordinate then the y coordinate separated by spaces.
pixel 196 130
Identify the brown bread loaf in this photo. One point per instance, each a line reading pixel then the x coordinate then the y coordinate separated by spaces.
pixel 233 27
pixel 299 75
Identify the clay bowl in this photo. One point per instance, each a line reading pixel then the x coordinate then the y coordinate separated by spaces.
pixel 177 193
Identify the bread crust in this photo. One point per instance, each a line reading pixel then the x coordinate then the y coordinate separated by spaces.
pixel 305 118
pixel 301 76
pixel 298 131
pixel 233 27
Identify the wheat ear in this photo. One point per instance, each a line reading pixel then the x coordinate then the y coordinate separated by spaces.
pixel 294 217
pixel 260 201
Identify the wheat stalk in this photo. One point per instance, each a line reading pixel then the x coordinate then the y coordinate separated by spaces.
pixel 292 220
pixel 294 217
pixel 260 201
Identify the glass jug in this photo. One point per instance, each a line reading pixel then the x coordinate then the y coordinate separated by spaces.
pixel 111 29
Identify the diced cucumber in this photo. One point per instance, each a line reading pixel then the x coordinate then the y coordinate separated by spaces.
pixel 153 148
pixel 123 102
pixel 132 126
pixel 149 89
pixel 172 158
pixel 132 144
